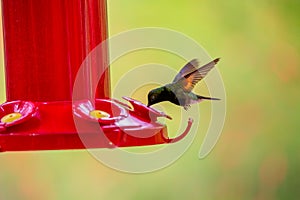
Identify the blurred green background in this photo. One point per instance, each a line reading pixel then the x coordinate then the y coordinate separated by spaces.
pixel 257 156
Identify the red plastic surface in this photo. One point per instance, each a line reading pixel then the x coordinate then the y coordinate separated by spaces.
pixel 51 126
pixel 45 43
pixel 25 109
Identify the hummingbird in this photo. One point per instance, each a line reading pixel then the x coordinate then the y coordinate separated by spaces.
pixel 179 92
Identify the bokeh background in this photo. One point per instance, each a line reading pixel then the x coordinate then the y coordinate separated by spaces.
pixel 257 156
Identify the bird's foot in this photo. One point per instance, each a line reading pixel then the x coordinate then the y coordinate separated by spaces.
pixel 186 107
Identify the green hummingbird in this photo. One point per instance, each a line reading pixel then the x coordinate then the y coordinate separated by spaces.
pixel 179 92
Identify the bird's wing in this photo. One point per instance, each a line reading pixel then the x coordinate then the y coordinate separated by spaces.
pixel 193 75
pixel 186 69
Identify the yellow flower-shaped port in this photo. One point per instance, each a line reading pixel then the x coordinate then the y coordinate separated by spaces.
pixel 11 117
pixel 98 114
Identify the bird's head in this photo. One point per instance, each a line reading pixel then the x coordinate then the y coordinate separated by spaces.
pixel 155 96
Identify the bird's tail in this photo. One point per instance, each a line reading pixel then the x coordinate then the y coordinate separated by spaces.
pixel 207 98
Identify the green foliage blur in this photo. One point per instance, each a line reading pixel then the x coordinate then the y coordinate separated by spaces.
pixel 257 156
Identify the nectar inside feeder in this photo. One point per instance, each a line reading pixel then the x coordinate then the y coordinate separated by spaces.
pixel 45 43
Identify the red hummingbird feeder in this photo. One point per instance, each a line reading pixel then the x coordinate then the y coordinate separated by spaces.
pixel 45 44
